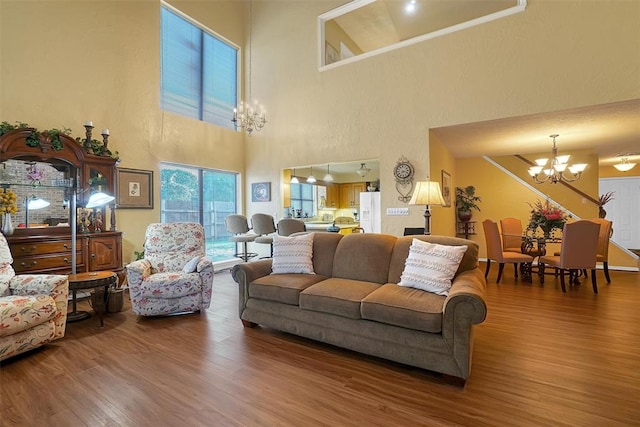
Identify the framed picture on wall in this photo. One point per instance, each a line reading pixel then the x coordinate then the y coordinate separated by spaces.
pixel 135 189
pixel 261 192
pixel 446 188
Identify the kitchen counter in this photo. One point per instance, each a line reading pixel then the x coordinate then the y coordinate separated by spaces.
pixel 322 226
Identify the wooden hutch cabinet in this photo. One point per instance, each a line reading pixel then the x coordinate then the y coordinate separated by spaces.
pixel 48 249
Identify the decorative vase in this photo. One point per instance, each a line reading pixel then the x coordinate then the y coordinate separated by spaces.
pixel 7 225
pixel 601 212
pixel 464 216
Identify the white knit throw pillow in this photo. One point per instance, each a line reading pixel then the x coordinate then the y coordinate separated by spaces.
pixel 292 254
pixel 431 267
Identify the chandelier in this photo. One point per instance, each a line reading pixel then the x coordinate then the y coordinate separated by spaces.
pixel 363 170
pixel 247 117
pixel 624 165
pixel 557 168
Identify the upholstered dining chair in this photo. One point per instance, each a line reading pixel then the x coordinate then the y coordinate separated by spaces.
pixel 511 234
pixel 288 226
pixel 238 226
pixel 495 252
pixel 578 251
pixel 604 236
pixel 174 276
pixel 264 226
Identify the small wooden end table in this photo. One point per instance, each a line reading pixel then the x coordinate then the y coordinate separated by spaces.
pixel 91 280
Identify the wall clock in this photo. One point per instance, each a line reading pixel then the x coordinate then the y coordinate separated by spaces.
pixel 403 173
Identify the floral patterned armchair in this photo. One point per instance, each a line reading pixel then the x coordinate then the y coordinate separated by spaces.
pixel 174 276
pixel 33 307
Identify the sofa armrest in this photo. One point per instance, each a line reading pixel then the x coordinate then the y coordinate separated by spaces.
pixel 246 273
pixel 138 271
pixel 466 298
pixel 56 286
pixel 205 270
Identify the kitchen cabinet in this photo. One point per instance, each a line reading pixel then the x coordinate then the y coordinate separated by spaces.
pixel 333 195
pixel 350 194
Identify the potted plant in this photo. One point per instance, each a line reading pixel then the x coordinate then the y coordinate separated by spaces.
pixel 466 200
pixel 603 200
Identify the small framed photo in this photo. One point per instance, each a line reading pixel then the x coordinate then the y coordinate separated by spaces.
pixel 261 192
pixel 135 189
pixel 446 188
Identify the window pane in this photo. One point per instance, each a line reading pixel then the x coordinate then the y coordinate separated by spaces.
pixel 181 68
pixel 220 75
pixel 180 190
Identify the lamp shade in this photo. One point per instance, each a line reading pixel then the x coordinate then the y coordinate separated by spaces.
pixel 34 203
pixel 99 199
pixel 427 193
pixel 624 165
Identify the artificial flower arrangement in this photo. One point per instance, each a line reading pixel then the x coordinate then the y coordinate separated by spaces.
pixel 7 202
pixel 547 217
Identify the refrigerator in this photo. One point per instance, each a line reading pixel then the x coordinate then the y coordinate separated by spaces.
pixel 370 212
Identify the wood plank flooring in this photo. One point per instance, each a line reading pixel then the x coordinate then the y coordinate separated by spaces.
pixel 542 358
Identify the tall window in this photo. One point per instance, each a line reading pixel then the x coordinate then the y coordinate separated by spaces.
pixel 199 71
pixel 200 195
pixel 302 197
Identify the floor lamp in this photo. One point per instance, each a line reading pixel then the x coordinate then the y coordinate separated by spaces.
pixel 427 193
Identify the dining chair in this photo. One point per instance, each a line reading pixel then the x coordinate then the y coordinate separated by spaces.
pixel 578 251
pixel 606 230
pixel 288 226
pixel 511 234
pixel 264 226
pixel 496 253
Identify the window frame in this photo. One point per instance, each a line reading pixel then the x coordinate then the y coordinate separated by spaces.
pixel 201 90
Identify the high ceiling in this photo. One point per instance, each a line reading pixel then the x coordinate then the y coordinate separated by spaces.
pixel 608 130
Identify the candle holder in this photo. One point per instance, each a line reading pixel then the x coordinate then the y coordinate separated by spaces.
pixel 105 140
pixel 87 142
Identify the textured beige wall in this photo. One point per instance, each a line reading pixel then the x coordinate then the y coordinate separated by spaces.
pixel 66 62
pixel 98 60
pixel 551 57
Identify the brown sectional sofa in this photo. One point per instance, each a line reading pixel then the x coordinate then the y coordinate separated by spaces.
pixel 353 301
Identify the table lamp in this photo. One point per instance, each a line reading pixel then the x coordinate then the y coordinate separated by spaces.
pixel 427 193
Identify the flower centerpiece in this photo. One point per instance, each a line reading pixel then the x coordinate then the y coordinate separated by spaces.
pixel 7 207
pixel 547 217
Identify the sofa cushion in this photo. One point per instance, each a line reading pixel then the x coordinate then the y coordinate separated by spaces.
pixel 406 307
pixel 292 254
pixel 324 248
pixel 170 285
pixel 192 265
pixel 284 288
pixel 337 296
pixel 431 267
pixel 364 257
pixel 401 252
pixel 19 313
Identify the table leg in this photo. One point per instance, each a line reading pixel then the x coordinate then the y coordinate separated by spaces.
pixel 76 315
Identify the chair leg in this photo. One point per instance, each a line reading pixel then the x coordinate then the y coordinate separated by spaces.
pixel 605 267
pixel 515 267
pixel 594 282
pixel 500 272
pixel 564 289
pixel 486 272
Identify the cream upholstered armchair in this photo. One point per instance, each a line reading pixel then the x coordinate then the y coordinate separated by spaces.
pixel 33 307
pixel 174 276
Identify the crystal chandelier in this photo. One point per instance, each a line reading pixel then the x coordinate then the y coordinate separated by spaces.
pixel 247 117
pixel 557 166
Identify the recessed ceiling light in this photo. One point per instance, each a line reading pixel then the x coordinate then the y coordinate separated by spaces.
pixel 410 7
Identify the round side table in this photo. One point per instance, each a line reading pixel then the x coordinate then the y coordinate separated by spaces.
pixel 91 280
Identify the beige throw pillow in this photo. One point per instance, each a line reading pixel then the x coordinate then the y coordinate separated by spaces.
pixel 292 254
pixel 431 267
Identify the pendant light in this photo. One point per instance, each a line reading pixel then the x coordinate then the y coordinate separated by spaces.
pixel 311 179
pixel 294 178
pixel 328 177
